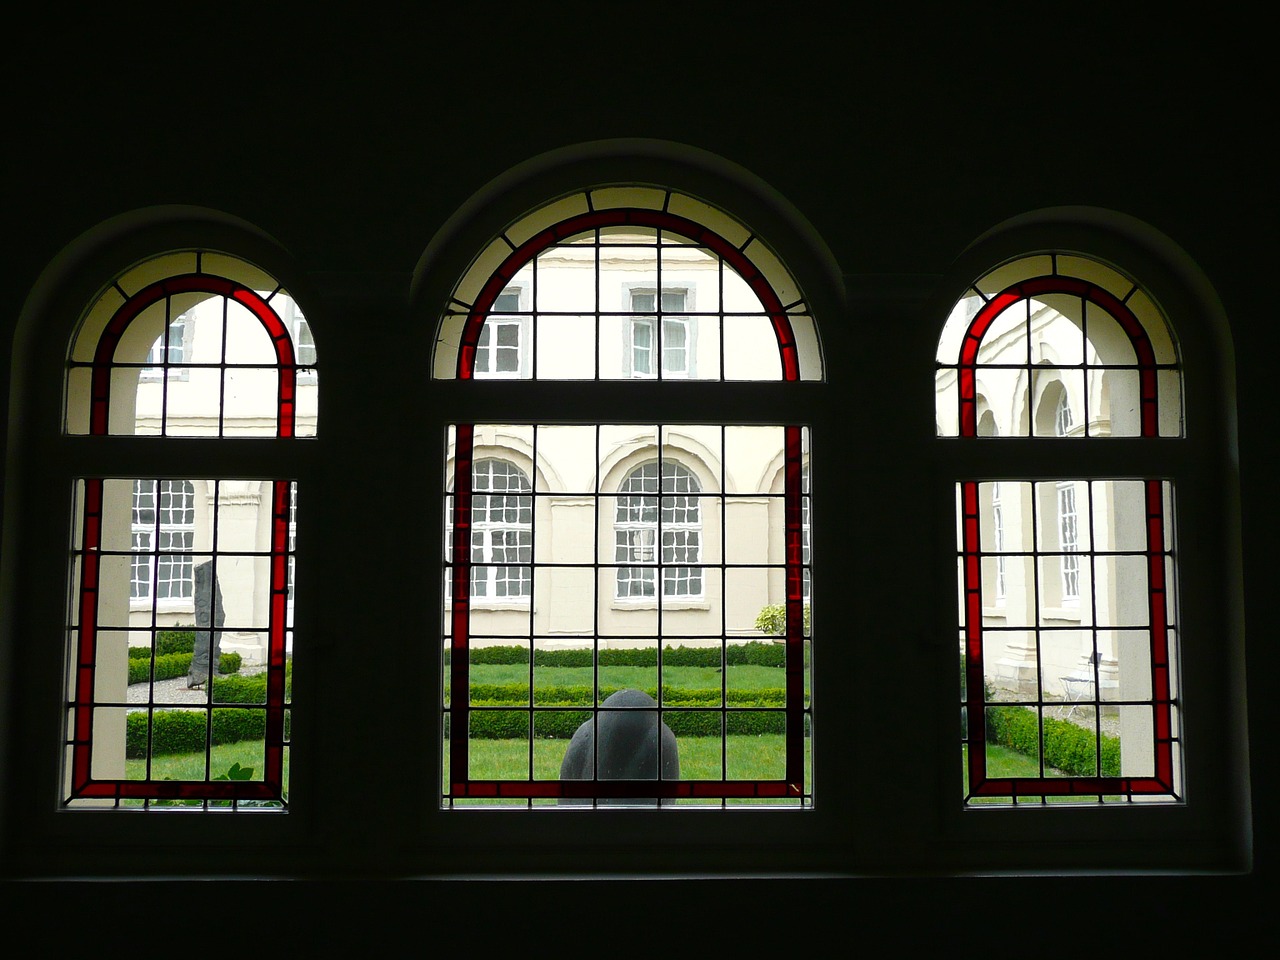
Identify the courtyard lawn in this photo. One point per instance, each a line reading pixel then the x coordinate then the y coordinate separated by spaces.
pixel 744 677
pixel 748 758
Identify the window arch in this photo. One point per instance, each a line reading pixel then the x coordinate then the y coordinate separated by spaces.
pixel 178 578
pixel 629 287
pixel 1084 645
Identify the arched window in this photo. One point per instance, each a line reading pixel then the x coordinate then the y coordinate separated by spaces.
pixel 652 532
pixel 650 571
pixel 501 531
pixel 181 580
pixel 1081 660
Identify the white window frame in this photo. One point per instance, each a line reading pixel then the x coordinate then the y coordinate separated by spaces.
pixel 997 531
pixel 176 341
pixel 1068 543
pixel 488 582
pixel 304 344
pixel 1063 420
pixel 640 526
pixel 161 545
pixel 648 320
pixel 488 351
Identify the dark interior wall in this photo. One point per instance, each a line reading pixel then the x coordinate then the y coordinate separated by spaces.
pixel 899 142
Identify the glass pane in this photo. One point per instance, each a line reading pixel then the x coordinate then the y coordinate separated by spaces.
pixel 609 275
pixel 611 572
pixel 184 630
pixel 1068 644
pixel 1065 319
pixel 199 362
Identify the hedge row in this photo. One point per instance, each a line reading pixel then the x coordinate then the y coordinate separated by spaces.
pixel 561 724
pixel 1067 746
pixel 183 731
pixel 755 652
pixel 504 694
pixel 170 665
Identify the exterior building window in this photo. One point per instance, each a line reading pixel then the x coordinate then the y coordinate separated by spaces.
pixel 501 532
pixel 304 342
pixel 646 521
pixel 1063 421
pixel 163 532
pixel 1068 542
pixel 997 530
pixel 500 350
pixel 666 334
pixel 170 351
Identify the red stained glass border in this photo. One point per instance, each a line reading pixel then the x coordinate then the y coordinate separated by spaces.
pixel 277 331
pixel 792 787
pixel 83 785
pixel 967 369
pixel 271 787
pixel 636 217
pixel 980 785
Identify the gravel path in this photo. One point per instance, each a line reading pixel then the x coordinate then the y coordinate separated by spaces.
pixel 177 691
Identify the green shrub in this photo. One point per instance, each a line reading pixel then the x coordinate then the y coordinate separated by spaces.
pixel 514 724
pixel 1067 746
pixel 755 652
pixel 171 665
pixel 562 724
pixel 175 641
pixel 253 689
pixel 772 620
pixel 183 731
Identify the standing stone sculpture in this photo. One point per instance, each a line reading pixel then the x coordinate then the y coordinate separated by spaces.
pixel 621 744
pixel 204 658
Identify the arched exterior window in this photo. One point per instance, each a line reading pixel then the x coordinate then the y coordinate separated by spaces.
pixel 644 548
pixel 178 581
pixel 649 528
pixel 1077 651
pixel 501 531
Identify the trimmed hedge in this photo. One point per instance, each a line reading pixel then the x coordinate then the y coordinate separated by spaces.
pixel 1067 746
pixel 755 652
pixel 561 724
pixel 184 730
pixel 557 724
pixel 171 665
pixel 581 695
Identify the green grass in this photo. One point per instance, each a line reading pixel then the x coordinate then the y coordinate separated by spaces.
pixel 744 677
pixel 748 758
pixel 190 766
pixel 1003 762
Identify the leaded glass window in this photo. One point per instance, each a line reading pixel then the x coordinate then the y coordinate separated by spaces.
pixel 180 620
pixel 1070 648
pixel 644 553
